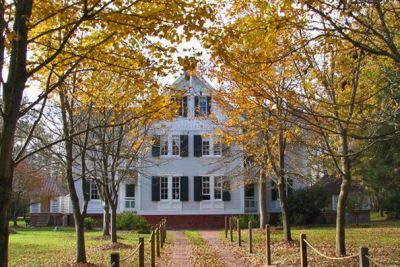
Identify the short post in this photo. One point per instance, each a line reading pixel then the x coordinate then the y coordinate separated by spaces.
pixel 268 244
pixel 114 259
pixel 303 251
pixel 152 249
pixel 250 238
pixel 141 252
pixel 239 232
pixel 364 261
pixel 158 240
pixel 161 235
pixel 226 226
pixel 231 228
pixel 165 229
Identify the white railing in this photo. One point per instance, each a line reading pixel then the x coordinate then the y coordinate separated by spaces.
pixel 129 203
pixel 250 204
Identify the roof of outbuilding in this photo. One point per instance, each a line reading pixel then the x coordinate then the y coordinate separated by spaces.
pixel 332 184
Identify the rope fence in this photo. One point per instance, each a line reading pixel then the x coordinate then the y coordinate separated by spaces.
pixel 363 255
pixel 157 239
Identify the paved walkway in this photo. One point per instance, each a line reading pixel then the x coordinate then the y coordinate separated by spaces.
pixel 226 256
pixel 180 250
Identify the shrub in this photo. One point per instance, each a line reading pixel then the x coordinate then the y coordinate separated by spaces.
pixel 304 205
pixel 245 219
pixel 132 221
pixel 391 203
pixel 88 223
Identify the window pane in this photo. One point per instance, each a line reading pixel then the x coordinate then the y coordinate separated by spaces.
pixel 130 190
pixel 218 187
pixel 94 194
pixel 206 187
pixel 163 187
pixel 175 187
pixel 175 145
pixel 205 147
pixel 164 145
pixel 217 146
pixel 203 105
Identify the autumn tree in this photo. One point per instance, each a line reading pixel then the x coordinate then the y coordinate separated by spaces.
pixel 49 39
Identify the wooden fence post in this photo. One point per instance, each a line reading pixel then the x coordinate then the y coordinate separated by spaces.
pixel 231 228
pixel 268 244
pixel 364 261
pixel 165 229
pixel 239 232
pixel 141 252
pixel 114 259
pixel 161 235
pixel 303 251
pixel 250 238
pixel 226 226
pixel 152 249
pixel 158 240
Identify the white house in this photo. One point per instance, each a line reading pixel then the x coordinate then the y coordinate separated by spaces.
pixel 187 174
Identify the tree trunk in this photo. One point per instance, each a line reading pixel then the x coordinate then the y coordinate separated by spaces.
pixel 284 210
pixel 79 225
pixel 344 189
pixel 12 96
pixel 113 223
pixel 15 214
pixel 106 219
pixel 262 200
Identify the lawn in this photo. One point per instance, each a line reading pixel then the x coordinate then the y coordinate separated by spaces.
pixel 382 238
pixel 46 247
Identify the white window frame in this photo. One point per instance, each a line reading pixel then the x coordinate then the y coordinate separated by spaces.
pixel 93 191
pixel 217 142
pixel 176 181
pixel 164 180
pixel 164 144
pixel 176 144
pixel 206 190
pixel 218 184
pixel 203 100
pixel 206 140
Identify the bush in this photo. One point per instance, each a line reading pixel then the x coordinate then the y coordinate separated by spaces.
pixel 245 219
pixel 132 221
pixel 391 203
pixel 304 205
pixel 88 223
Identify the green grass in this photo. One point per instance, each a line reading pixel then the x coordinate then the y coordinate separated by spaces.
pixel 45 247
pixel 382 239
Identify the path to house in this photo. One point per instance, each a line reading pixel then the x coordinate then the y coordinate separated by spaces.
pixel 228 258
pixel 180 250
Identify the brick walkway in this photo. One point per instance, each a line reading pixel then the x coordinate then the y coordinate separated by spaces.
pixel 228 258
pixel 180 250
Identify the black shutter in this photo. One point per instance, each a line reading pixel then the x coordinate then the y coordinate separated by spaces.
pixel 198 188
pixel 184 143
pixel 274 191
pixel 197 141
pixel 185 106
pixel 226 195
pixel 155 188
pixel 179 103
pixel 208 105
pixel 184 183
pixel 196 106
pixel 155 148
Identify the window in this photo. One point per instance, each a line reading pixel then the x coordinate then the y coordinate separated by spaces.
pixel 203 105
pixel 217 146
pixel 206 188
pixel 175 187
pixel 218 187
pixel 130 196
pixel 164 187
pixel 94 193
pixel 164 145
pixel 176 145
pixel 205 147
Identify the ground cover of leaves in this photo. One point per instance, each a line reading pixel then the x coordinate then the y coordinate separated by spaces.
pixel 382 239
pixel 45 247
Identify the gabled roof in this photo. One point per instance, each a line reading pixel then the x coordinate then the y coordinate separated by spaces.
pixel 53 188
